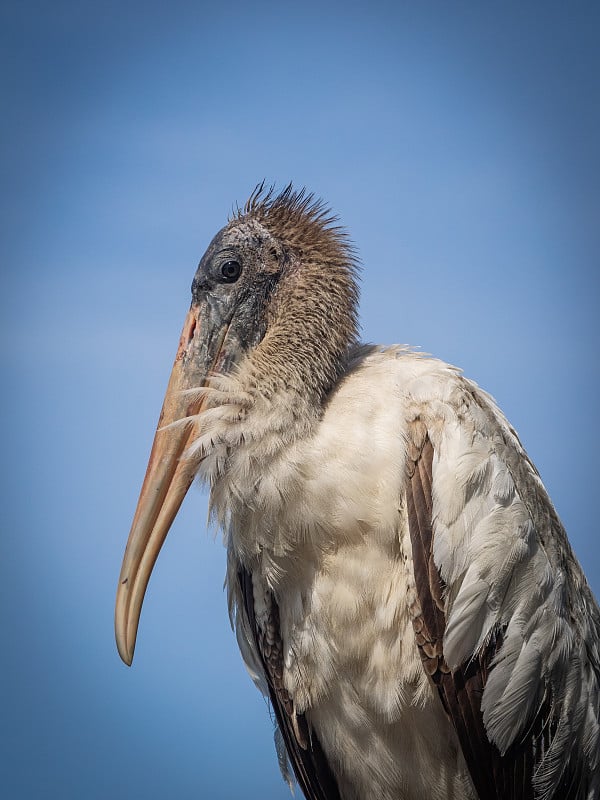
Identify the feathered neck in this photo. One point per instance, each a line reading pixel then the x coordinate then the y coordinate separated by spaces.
pixel 312 317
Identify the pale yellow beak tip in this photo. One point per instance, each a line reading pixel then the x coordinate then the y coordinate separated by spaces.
pixel 126 657
pixel 121 620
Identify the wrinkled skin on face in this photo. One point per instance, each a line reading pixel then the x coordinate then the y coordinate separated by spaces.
pixel 240 306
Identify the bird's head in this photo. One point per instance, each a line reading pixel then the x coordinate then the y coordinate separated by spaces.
pixel 276 293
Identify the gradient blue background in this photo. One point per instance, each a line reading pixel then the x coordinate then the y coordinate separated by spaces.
pixel 458 144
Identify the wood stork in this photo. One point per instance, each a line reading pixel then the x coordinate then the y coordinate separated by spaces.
pixel 401 586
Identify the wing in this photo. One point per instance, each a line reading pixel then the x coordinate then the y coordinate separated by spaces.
pixel 304 751
pixel 508 630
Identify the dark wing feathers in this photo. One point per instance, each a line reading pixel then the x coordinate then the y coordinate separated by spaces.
pixel 304 750
pixel 496 777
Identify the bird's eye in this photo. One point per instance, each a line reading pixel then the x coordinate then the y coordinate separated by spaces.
pixel 230 271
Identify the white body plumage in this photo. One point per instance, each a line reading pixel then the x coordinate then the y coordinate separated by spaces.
pixel 323 526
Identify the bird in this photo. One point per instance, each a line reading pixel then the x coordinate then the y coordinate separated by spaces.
pixel 401 587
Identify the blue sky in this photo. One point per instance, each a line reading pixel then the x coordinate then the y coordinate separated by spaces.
pixel 459 146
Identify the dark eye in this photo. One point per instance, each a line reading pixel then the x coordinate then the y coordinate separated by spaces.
pixel 230 271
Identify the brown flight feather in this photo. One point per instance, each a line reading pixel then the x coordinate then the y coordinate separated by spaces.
pixel 309 763
pixel 495 777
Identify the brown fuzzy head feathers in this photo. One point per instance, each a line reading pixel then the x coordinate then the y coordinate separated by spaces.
pixel 313 313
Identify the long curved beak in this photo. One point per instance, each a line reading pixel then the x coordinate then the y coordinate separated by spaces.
pixel 168 476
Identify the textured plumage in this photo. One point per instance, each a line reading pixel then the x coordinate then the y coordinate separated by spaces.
pixel 401 586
